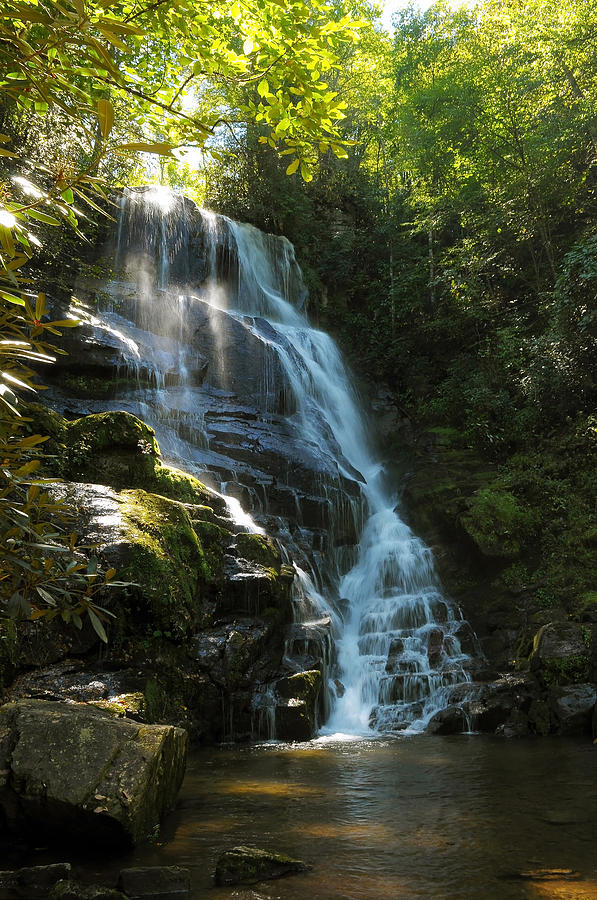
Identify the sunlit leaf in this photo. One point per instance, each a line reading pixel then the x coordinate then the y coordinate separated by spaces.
pixel 105 114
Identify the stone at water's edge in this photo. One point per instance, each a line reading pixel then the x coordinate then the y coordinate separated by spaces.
pixel 296 707
pixel 72 770
pixel 248 865
pixel 34 881
pixel 573 707
pixel 74 890
pixel 159 882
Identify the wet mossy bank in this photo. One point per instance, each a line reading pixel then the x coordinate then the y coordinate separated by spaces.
pixel 515 543
pixel 199 621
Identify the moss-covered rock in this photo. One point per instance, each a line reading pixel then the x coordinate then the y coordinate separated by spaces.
pixel 247 865
pixel 560 654
pixel 117 449
pixel 302 686
pixel 33 882
pixel 114 448
pixel 71 768
pixel 76 890
pixel 260 549
pixel 165 557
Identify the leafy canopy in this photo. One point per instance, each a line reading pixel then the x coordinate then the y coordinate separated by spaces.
pixel 123 77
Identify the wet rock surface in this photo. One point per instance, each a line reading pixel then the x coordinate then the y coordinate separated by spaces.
pixel 561 653
pixel 76 768
pixel 572 708
pixel 155 883
pixel 248 865
pixel 75 890
pixel 32 882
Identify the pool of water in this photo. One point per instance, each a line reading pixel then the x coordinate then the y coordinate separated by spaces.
pixel 420 816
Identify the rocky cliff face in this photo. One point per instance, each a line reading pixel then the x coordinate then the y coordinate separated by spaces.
pixel 201 634
pixel 221 625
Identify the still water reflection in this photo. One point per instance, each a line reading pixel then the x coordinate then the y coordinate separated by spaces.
pixel 425 817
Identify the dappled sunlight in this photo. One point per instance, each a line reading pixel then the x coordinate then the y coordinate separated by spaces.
pixel 266 789
pixel 558 888
pixel 160 196
pixel 346 831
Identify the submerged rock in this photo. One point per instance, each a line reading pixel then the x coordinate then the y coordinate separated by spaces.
pixel 247 865
pixel 75 890
pixel 81 771
pixel 155 883
pixel 34 881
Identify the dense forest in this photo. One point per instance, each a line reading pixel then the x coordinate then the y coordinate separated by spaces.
pixel 439 186
pixel 453 254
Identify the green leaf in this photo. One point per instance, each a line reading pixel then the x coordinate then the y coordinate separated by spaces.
pixel 111 37
pixel 12 298
pixel 45 595
pixel 293 167
pixel 97 625
pixel 163 148
pixel 42 217
pixel 105 115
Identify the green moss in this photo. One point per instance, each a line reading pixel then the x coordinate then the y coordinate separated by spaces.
pixel 586 602
pixel 157 701
pixel 498 523
pixel 177 485
pixel 114 448
pixel 302 686
pixel 213 539
pixel 165 557
pixel 260 549
pixel 568 670
pixel 107 430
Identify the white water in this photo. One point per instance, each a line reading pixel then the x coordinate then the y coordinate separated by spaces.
pixel 397 653
pixel 392 588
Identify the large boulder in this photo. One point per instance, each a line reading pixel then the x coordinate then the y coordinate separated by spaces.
pixel 560 653
pixel 572 708
pixel 151 542
pixel 76 770
pixel 32 882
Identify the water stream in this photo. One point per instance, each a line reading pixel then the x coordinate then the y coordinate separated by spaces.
pixel 456 818
pixel 237 384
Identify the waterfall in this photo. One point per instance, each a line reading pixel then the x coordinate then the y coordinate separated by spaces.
pixel 243 392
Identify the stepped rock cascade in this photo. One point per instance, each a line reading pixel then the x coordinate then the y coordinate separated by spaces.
pixel 204 318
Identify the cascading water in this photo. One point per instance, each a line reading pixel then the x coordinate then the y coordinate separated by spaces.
pixel 236 383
